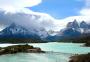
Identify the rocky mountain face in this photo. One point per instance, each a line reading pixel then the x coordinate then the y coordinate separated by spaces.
pixel 85 27
pixel 73 24
pixel 82 27
pixel 72 30
pixel 17 31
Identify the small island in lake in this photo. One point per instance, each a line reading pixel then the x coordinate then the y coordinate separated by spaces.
pixel 20 49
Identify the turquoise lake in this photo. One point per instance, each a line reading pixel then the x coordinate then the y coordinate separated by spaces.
pixel 57 52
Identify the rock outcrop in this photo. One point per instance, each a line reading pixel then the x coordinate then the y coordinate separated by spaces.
pixel 20 49
pixel 80 58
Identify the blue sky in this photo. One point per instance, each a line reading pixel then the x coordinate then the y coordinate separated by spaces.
pixel 59 8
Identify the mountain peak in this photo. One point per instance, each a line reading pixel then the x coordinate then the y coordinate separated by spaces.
pixel 13 25
pixel 14 29
pixel 18 31
pixel 73 24
pixel 84 25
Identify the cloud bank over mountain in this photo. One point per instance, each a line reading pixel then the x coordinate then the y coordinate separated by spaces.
pixel 16 11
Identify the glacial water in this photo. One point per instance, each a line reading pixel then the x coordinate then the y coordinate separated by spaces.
pixel 34 57
pixel 57 52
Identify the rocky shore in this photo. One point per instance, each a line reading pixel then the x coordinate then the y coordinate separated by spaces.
pixel 87 44
pixel 20 49
pixel 80 58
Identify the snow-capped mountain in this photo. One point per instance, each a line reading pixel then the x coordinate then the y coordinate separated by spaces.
pixel 73 24
pixel 74 29
pixel 84 25
pixel 34 22
pixel 38 25
pixel 17 31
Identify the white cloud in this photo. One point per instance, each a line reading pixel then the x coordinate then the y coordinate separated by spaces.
pixel 14 5
pixel 86 9
pixel 33 20
pixel 60 24
pixel 87 3
pixel 78 18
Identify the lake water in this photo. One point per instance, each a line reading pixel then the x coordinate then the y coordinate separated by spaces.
pixel 59 52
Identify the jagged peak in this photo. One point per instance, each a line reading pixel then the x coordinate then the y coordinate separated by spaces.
pixel 73 24
pixel 75 20
pixel 83 24
pixel 13 24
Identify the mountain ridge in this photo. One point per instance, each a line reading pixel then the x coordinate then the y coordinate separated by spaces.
pixel 72 30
